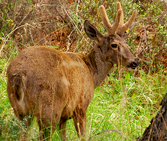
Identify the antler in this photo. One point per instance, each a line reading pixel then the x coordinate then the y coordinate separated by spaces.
pixel 118 26
pixel 111 29
pixel 123 27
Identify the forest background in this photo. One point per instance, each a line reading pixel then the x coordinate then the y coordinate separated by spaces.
pixel 126 101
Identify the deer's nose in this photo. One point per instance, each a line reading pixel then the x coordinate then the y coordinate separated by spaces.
pixel 134 64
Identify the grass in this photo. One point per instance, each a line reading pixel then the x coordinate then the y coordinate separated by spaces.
pixel 123 105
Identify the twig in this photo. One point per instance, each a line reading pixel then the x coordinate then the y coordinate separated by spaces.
pixel 145 38
pixel 68 41
pixel 7 37
pixel 60 15
pixel 55 6
pixel 78 2
pixel 74 23
pixel 140 49
pixel 18 26
pixel 25 17
pixel 105 132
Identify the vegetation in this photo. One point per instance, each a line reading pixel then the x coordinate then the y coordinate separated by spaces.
pixel 124 104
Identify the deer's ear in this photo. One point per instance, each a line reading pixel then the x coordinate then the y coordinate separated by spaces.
pixel 91 31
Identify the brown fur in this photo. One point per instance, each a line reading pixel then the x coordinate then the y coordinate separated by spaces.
pixel 54 86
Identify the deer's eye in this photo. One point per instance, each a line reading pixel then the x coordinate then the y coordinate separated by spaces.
pixel 114 45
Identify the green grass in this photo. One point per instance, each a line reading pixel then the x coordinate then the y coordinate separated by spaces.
pixel 124 104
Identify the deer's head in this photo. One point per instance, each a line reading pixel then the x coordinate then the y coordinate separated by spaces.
pixel 112 46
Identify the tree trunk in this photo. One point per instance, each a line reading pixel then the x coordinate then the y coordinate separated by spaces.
pixel 157 130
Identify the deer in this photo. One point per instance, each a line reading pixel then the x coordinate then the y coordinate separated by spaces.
pixel 54 86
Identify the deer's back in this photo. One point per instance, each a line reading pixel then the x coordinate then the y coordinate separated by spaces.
pixel 48 78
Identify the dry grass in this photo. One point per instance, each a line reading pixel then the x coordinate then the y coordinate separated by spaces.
pixel 126 101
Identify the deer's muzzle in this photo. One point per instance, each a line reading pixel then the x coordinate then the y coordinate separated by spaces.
pixel 133 64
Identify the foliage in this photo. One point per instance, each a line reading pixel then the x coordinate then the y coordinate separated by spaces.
pixel 126 101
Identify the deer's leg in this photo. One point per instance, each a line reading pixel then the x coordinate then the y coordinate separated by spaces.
pixel 63 129
pixel 45 129
pixel 47 125
pixel 79 117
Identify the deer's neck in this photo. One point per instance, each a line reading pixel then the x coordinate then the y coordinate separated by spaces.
pixel 97 66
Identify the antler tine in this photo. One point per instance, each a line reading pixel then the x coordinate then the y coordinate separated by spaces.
pixel 111 29
pixel 123 27
pixel 117 22
pixel 129 22
pixel 106 22
pixel 122 16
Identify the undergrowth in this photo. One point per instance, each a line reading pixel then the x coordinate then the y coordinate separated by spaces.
pixel 126 101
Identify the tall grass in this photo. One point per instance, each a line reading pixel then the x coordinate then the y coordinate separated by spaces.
pixel 120 110
pixel 123 105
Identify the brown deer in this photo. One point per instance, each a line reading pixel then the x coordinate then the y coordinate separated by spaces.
pixel 55 86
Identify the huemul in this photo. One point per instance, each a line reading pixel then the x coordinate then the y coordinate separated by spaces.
pixel 55 86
